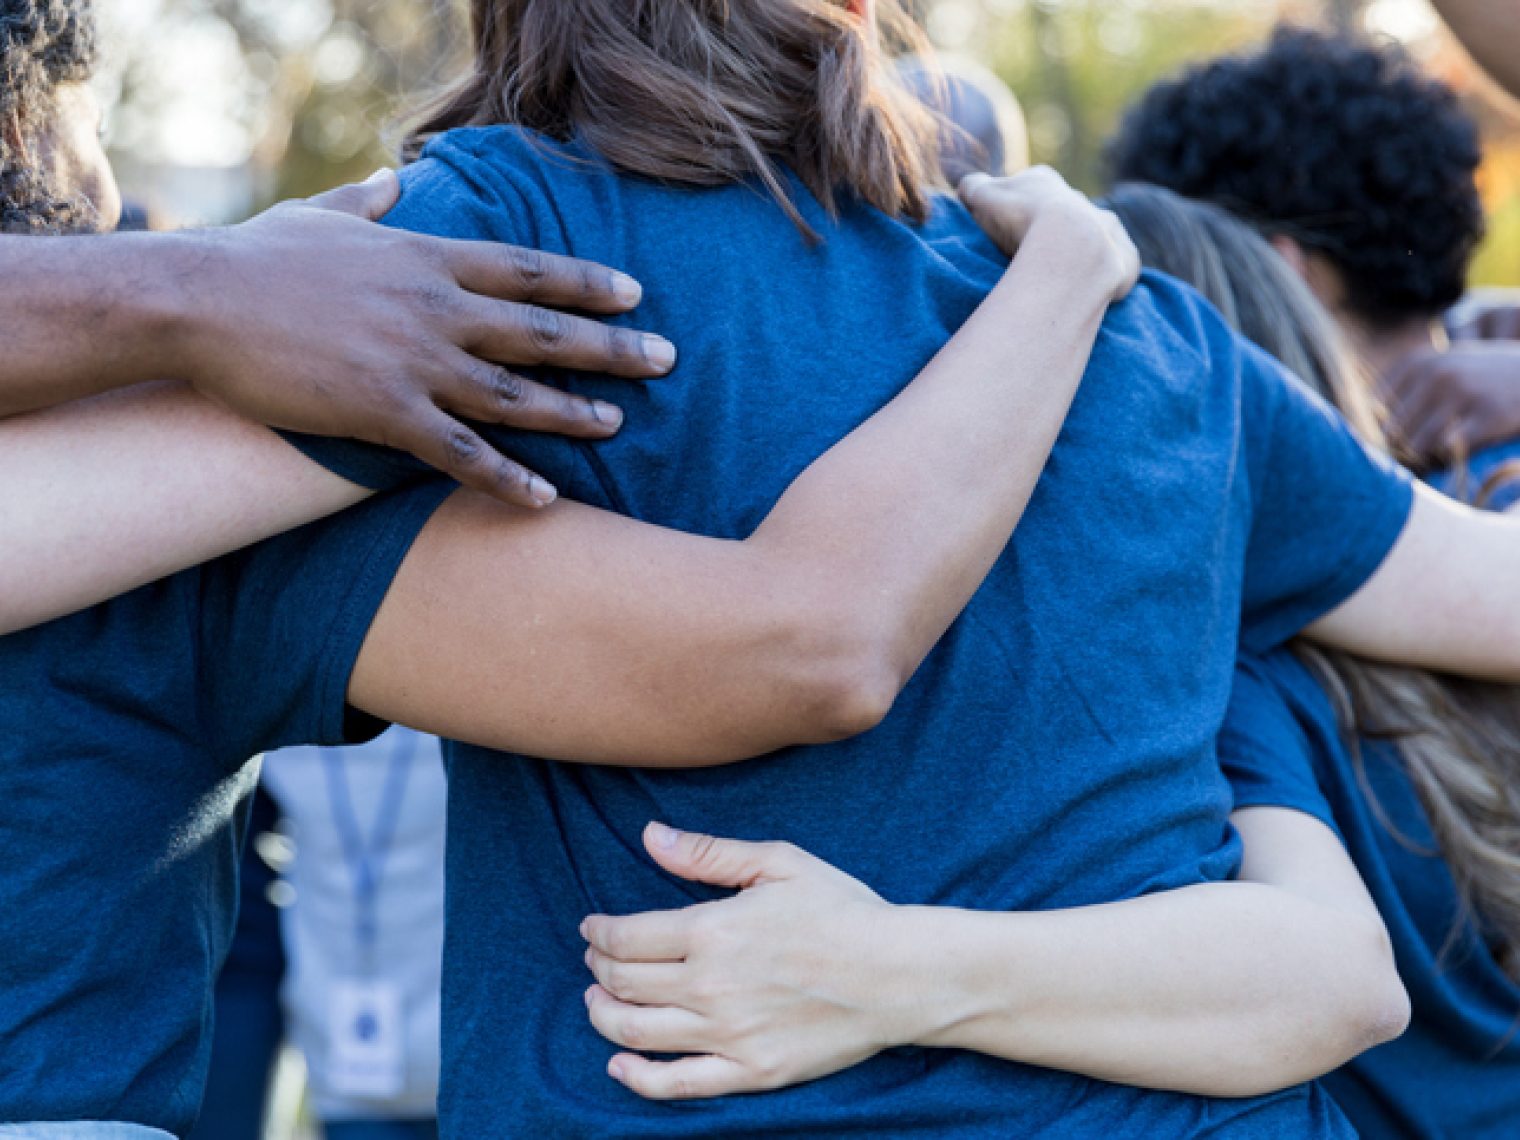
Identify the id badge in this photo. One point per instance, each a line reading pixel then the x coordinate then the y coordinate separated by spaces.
pixel 368 1052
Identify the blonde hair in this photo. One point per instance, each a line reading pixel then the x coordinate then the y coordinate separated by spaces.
pixel 1459 740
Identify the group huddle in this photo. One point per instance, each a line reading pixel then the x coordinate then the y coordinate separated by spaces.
pixel 1001 682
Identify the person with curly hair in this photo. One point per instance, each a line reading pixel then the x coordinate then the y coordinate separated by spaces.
pixel 307 317
pixel 1360 169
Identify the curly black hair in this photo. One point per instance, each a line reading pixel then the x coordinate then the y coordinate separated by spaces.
pixel 1339 143
pixel 43 43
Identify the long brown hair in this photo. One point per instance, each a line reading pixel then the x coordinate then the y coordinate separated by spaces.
pixel 1459 740
pixel 707 92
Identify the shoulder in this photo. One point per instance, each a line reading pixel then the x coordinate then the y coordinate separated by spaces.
pixel 490 183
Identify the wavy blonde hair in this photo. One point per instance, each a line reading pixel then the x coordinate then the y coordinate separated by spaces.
pixel 1459 740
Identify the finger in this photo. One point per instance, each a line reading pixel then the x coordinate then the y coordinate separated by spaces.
pixel 649 1029
pixel 641 983
pixel 371 199
pixel 512 273
pixel 721 862
pixel 690 1078
pixel 441 441
pixel 493 394
pixel 656 936
pixel 510 333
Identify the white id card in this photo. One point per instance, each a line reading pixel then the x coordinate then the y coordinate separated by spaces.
pixel 368 1040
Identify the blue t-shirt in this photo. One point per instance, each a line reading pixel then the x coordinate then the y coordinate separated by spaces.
pixel 1499 465
pixel 1455 1074
pixel 125 737
pixel 1057 747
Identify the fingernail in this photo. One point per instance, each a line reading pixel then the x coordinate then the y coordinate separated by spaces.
pixel 626 289
pixel 615 1069
pixel 583 928
pixel 378 176
pixel 587 994
pixel 605 413
pixel 660 352
pixel 542 491
pixel 663 837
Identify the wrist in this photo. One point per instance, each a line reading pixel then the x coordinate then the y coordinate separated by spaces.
pixel 177 302
pixel 1074 246
pixel 930 992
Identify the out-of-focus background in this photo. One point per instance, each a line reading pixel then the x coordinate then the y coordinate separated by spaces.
pixel 222 106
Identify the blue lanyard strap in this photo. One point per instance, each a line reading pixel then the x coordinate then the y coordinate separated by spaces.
pixel 366 859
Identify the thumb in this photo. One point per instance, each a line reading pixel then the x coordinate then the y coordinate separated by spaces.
pixel 719 862
pixel 371 199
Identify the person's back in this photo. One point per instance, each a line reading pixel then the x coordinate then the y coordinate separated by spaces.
pixel 1055 750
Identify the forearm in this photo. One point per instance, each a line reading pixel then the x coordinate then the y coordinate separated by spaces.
pixel 1490 30
pixel 107 494
pixel 84 315
pixel 1447 597
pixel 650 647
pixel 1230 989
pixel 900 523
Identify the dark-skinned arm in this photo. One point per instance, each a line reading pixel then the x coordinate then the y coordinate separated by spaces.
pixel 312 318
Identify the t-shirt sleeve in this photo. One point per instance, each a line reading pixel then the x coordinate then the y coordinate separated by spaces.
pixel 281 624
pixel 1325 510
pixel 1264 751
pixel 448 193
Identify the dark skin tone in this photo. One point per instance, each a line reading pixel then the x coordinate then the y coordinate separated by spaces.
pixel 314 319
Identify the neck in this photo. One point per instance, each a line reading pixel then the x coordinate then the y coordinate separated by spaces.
pixel 1381 347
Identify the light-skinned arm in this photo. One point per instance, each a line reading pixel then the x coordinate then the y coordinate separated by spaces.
pixel 1447 598
pixel 1228 989
pixel 579 634
pixel 623 644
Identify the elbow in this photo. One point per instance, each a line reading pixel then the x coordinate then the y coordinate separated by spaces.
pixel 849 685
pixel 1374 1007
pixel 1384 1010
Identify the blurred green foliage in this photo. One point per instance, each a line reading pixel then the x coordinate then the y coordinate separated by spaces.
pixel 325 81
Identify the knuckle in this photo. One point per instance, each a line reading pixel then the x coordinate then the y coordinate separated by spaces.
pixel 631 1033
pixel 433 298
pixel 529 268
pixel 462 446
pixel 681 1088
pixel 548 330
pixel 704 849
pixel 508 390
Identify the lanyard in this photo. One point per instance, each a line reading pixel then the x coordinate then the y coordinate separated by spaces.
pixel 366 858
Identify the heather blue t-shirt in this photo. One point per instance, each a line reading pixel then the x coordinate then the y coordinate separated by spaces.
pixel 1491 478
pixel 1455 1074
pixel 125 737
pixel 1056 749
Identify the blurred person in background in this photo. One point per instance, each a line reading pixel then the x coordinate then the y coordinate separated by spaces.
pixel 1361 172
pixel 1414 774
pixel 985 129
pixel 364 929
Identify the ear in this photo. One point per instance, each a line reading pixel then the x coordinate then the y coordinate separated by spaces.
pixel 1316 270
pixel 1291 252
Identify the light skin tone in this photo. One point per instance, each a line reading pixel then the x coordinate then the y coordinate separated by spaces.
pixel 312 319
pixel 1226 989
pixel 1282 975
